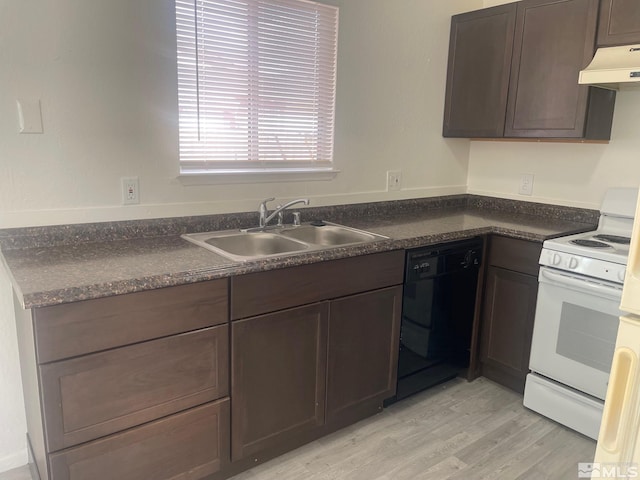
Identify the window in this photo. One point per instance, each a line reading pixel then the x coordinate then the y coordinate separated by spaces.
pixel 256 85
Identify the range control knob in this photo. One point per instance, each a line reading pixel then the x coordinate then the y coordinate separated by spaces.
pixel 555 259
pixel 573 263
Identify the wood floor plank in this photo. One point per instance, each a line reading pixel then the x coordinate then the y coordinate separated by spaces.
pixel 505 453
pixel 457 431
pixel 445 469
pixel 566 449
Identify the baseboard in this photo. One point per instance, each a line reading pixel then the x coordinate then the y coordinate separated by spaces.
pixel 13 460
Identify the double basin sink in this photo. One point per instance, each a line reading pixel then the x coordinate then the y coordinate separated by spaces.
pixel 244 245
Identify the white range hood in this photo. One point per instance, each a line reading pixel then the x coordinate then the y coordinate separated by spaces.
pixel 616 68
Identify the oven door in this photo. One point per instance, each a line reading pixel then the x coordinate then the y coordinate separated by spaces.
pixel 575 330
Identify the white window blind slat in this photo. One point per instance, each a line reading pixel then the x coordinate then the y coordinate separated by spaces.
pixel 256 84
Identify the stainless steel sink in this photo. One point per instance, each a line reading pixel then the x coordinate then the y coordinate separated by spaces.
pixel 253 245
pixel 242 246
pixel 328 235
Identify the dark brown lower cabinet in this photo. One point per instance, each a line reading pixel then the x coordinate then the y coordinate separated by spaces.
pixel 88 397
pixel 129 387
pixel 299 373
pixel 189 445
pixel 278 377
pixel 364 333
pixel 508 311
pixel 147 396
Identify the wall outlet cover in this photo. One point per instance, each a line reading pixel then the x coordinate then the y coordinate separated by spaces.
pixel 526 184
pixel 130 190
pixel 394 180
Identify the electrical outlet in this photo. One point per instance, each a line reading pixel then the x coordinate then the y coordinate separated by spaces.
pixel 394 180
pixel 130 190
pixel 526 184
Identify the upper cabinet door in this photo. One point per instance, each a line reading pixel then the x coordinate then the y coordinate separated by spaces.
pixel 619 22
pixel 554 40
pixel 480 51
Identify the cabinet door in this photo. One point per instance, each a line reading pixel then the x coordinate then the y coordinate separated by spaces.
pixel 193 445
pixel 278 371
pixel 480 50
pixel 554 40
pixel 364 334
pixel 508 314
pixel 619 22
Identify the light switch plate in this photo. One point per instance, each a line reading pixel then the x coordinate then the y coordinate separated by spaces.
pixel 29 116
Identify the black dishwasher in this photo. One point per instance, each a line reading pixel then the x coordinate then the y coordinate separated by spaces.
pixel 438 307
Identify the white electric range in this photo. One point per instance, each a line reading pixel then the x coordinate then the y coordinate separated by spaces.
pixel 576 322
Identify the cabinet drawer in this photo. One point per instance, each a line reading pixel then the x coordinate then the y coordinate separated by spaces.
pixel 263 292
pixel 99 394
pixel 190 445
pixel 74 329
pixel 514 254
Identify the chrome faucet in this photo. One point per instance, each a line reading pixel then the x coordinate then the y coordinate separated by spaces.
pixel 265 218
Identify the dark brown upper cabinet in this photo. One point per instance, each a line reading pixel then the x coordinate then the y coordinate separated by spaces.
pixel 550 42
pixel 619 23
pixel 553 41
pixel 480 49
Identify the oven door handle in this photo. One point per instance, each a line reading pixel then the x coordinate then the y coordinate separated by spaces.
pixel 584 285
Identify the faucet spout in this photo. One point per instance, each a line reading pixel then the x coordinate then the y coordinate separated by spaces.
pixel 264 219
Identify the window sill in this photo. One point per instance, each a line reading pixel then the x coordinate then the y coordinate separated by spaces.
pixel 262 176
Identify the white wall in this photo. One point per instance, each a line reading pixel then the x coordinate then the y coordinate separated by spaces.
pixel 104 71
pixel 13 451
pixel 567 174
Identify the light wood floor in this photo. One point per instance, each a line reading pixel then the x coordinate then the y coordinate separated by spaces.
pixel 457 431
pixel 460 430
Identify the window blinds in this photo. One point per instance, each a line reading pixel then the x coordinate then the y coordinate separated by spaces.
pixel 256 84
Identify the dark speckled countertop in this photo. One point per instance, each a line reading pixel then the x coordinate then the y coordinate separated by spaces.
pixel 53 265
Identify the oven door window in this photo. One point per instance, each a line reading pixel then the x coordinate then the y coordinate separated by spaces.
pixel 574 335
pixel 584 336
